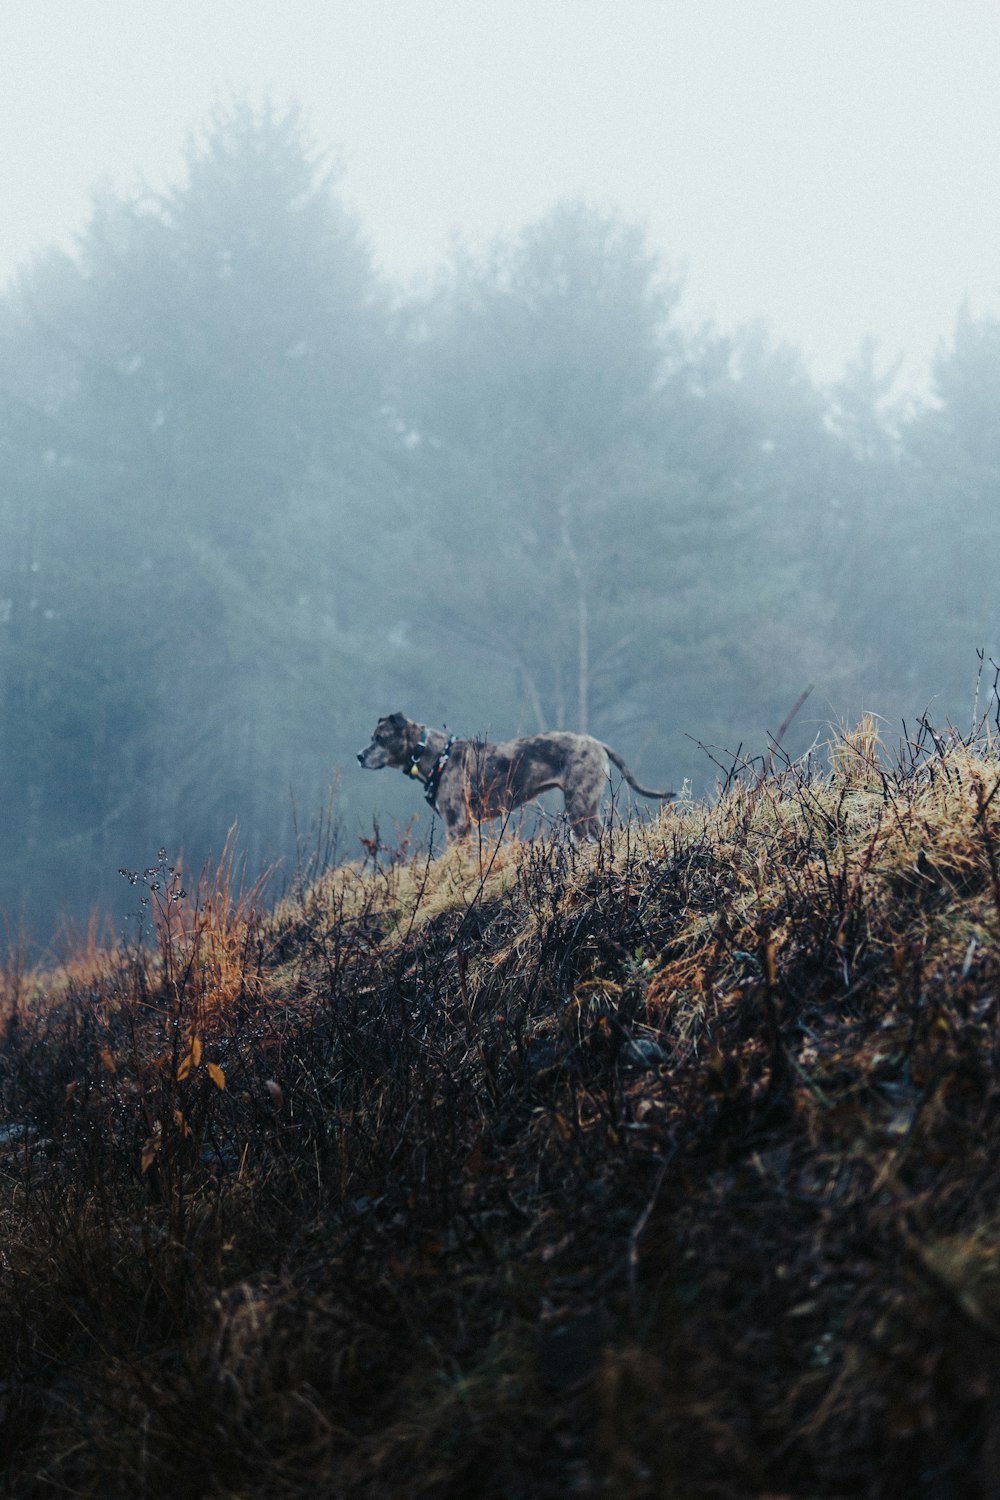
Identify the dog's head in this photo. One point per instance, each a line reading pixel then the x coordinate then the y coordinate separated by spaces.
pixel 392 740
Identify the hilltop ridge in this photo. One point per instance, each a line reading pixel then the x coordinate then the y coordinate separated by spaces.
pixel 661 1167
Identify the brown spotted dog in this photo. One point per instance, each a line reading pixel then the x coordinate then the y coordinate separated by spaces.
pixel 470 780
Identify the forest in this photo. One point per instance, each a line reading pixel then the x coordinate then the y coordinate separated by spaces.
pixel 254 497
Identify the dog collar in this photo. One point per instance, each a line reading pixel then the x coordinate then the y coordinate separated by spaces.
pixel 416 755
pixel 431 782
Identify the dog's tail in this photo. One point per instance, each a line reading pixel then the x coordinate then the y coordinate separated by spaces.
pixel 643 791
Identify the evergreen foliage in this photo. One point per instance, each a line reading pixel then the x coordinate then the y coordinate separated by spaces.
pixel 254 497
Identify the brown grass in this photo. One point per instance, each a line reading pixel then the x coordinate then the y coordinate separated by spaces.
pixel 662 1168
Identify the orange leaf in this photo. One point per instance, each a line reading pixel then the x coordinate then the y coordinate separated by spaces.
pixel 217 1076
pixel 108 1060
pixel 184 1067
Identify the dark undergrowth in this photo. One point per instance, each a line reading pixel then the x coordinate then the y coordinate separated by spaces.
pixel 664 1168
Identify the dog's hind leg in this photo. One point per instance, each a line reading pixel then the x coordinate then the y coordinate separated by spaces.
pixel 586 829
pixel 583 786
pixel 583 809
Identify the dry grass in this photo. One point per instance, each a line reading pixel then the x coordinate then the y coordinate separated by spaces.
pixel 661 1168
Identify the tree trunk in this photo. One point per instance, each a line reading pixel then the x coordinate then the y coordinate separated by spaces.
pixel 582 625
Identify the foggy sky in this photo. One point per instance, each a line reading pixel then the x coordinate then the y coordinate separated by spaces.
pixel 826 165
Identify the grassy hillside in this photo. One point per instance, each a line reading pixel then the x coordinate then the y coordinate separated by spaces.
pixel 667 1167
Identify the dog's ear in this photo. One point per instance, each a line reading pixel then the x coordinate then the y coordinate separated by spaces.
pixel 398 721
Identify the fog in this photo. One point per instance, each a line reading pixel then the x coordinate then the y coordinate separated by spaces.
pixel 829 168
pixel 542 375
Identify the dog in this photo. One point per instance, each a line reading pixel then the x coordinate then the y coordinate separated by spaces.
pixel 471 780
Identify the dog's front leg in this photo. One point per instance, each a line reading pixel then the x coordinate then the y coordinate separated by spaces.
pixel 457 825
